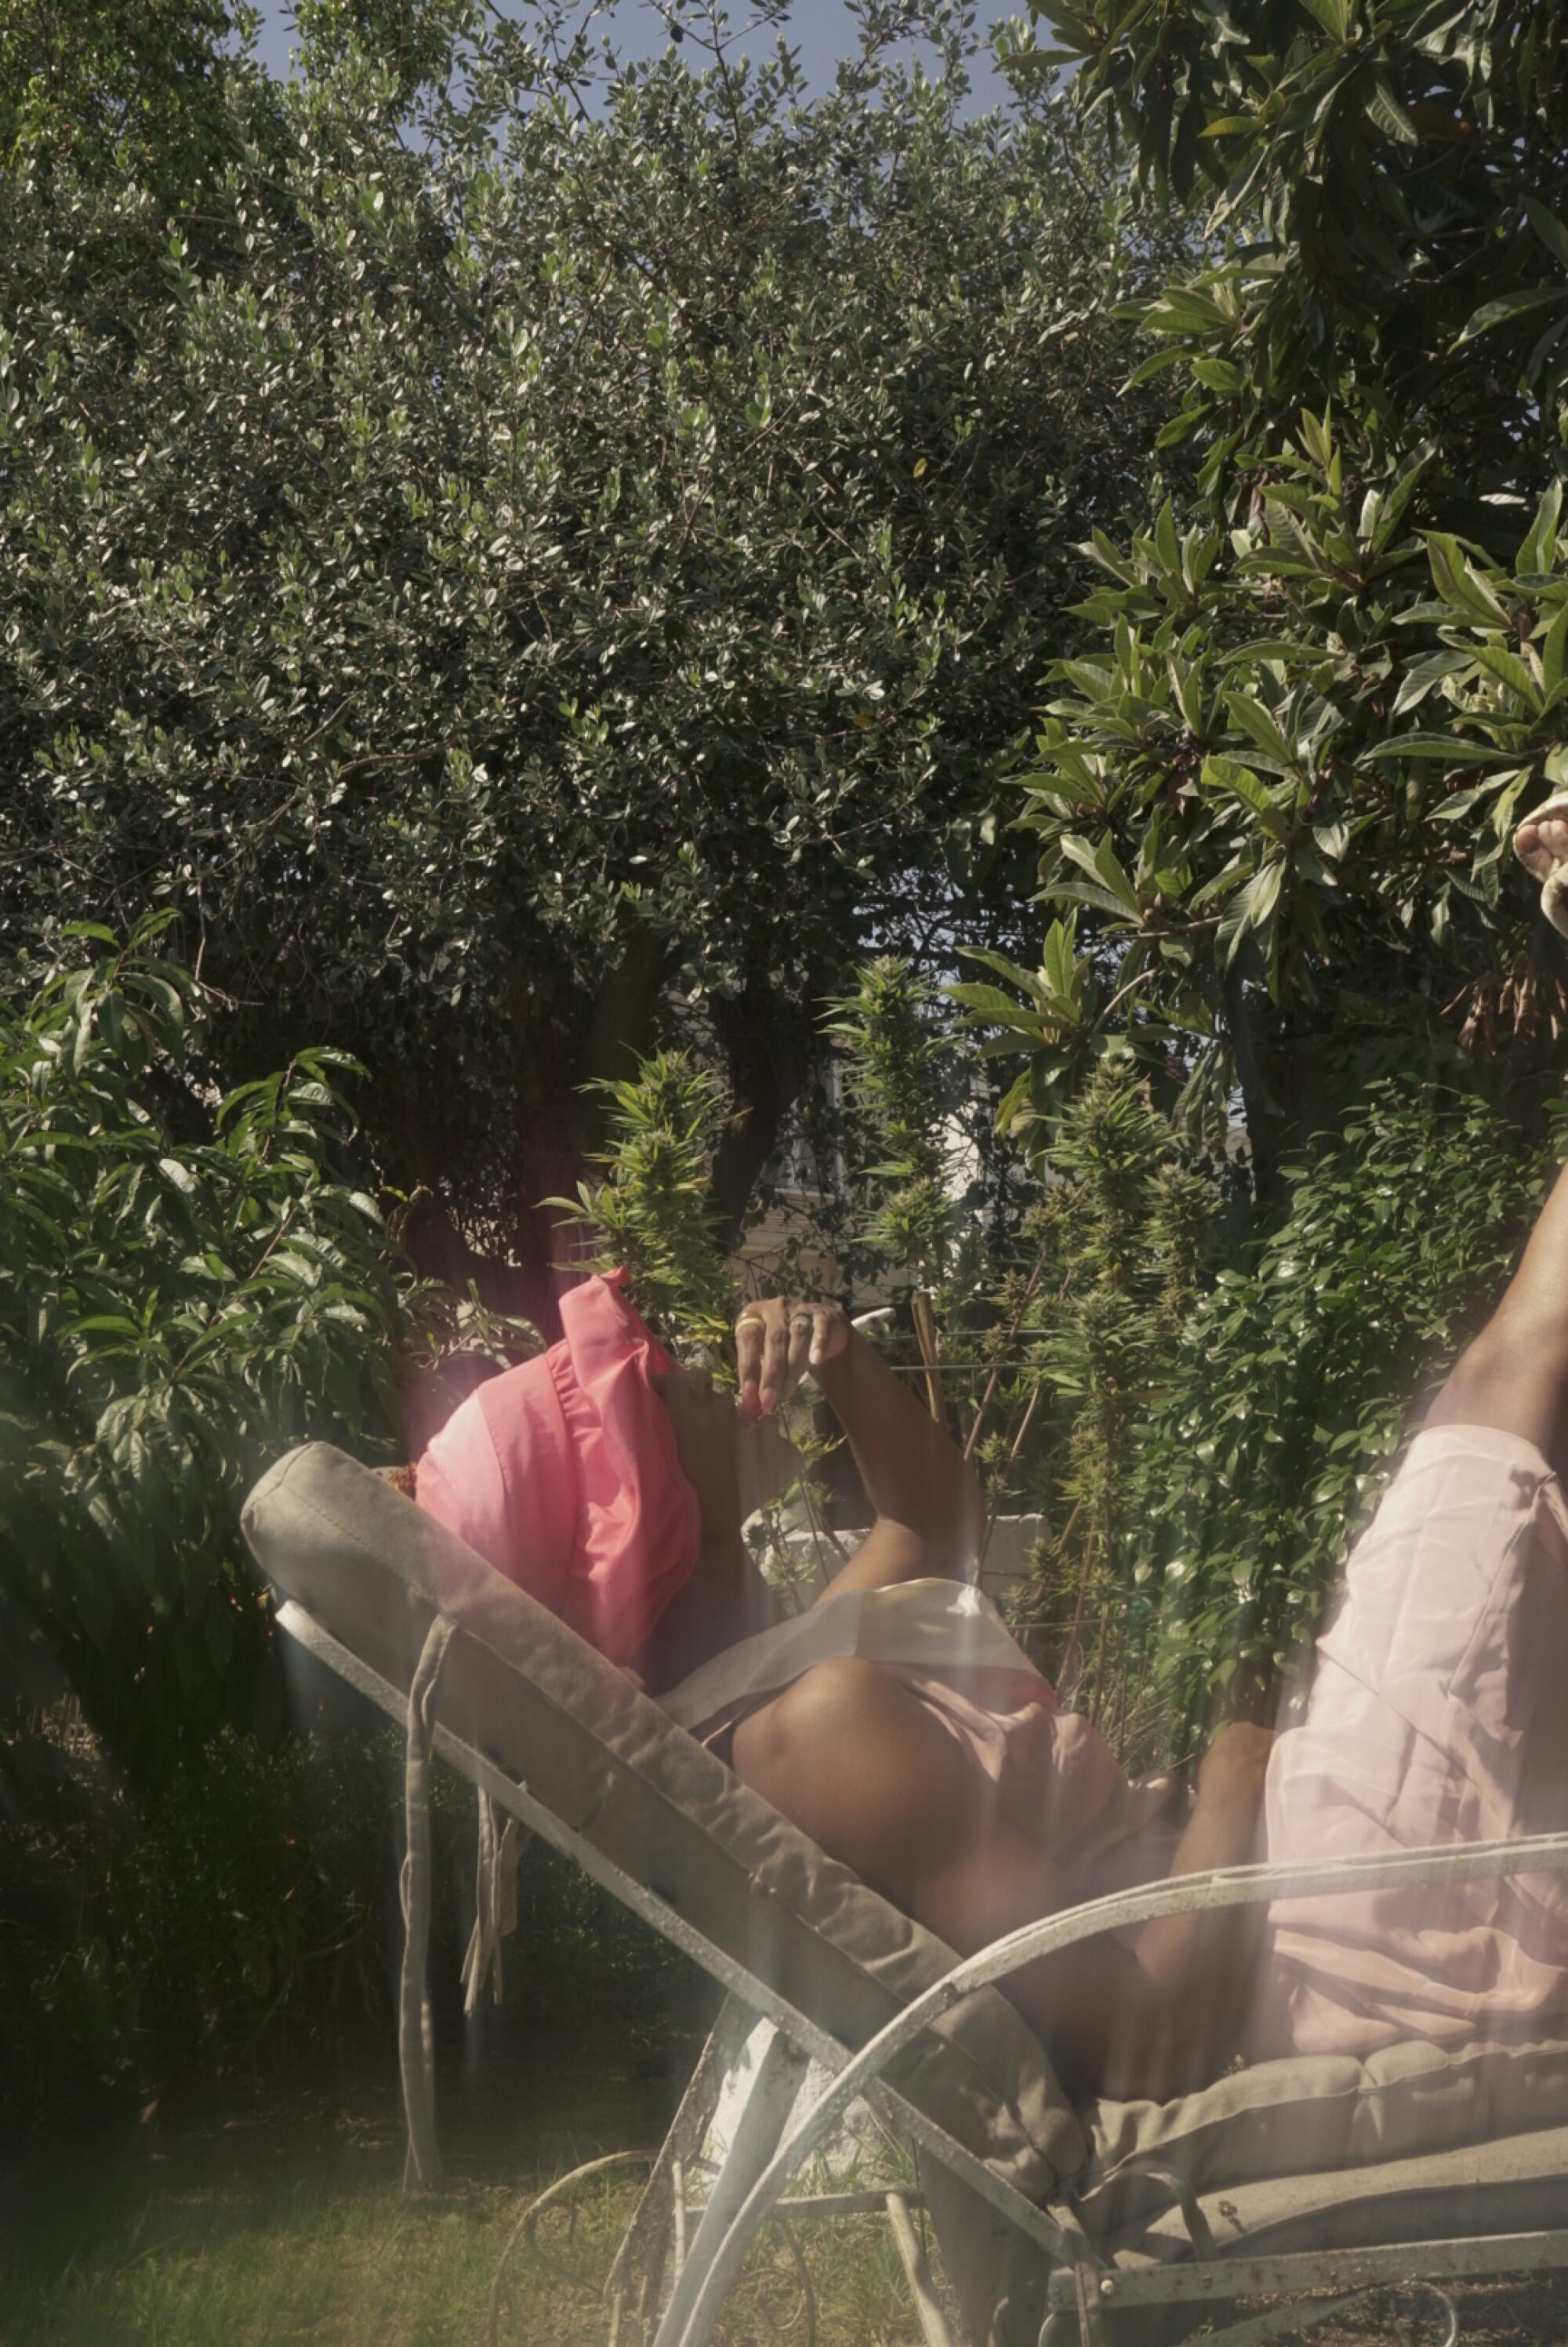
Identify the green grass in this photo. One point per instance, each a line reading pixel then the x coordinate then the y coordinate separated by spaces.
pixel 293 2226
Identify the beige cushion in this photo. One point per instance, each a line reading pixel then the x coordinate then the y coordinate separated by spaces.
pixel 550 1712
pixel 1321 2153
pixel 1513 2185
pixel 1319 2132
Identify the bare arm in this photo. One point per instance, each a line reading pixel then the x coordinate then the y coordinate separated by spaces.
pixel 1156 2019
pixel 1514 1376
pixel 926 1503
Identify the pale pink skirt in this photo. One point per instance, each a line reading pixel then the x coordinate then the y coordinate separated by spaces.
pixel 1438 1712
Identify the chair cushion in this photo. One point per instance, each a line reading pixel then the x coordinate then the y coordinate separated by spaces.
pixel 1324 2137
pixel 550 1713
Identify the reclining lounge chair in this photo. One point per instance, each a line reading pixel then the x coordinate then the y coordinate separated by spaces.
pixel 1114 2222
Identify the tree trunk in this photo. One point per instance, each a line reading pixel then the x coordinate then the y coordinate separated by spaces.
pixel 769 1043
pixel 1265 1117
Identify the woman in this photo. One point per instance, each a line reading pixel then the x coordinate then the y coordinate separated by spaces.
pixel 900 1727
pixel 897 1722
pixel 933 1762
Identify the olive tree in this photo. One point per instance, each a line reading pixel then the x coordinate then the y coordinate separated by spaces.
pixel 533 558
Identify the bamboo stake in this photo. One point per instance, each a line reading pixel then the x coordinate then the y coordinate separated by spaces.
pixel 1122 1687
pixel 1012 1454
pixel 925 1335
pixel 992 1382
pixel 1099 1666
pixel 1070 1651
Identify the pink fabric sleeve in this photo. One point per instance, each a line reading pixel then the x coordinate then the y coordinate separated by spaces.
pixel 638 1525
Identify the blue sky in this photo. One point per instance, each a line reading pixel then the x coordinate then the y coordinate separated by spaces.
pixel 821 29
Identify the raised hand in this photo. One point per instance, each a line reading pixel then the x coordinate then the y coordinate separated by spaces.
pixel 777 1339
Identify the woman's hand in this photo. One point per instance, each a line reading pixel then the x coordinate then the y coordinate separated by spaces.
pixel 777 1339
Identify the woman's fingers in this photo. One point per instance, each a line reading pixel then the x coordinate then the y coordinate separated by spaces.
pixel 777 1340
pixel 776 1355
pixel 750 1330
pixel 802 1335
pixel 829 1333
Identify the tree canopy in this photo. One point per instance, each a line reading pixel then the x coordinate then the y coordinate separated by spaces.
pixel 525 566
pixel 1330 676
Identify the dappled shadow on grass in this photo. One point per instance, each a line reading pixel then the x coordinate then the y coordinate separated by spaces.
pixel 287 2221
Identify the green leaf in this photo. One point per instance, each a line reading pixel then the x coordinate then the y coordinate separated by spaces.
pixel 1548 228
pixel 1463 803
pixel 1457 581
pixel 1553 648
pixel 1252 718
pixel 1389 116
pixel 1455 750
pixel 1155 364
pixel 1420 677
pixel 1332 15
pixel 1059 962
pixel 1539 548
pixel 1100 864
pixel 1510 671
pixel 1508 306
pixel 1251 910
pixel 991 1003
pixel 1240 782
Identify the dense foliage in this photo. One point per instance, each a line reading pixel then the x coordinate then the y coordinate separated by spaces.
pixel 649 1211
pixel 187 1286
pixel 524 576
pixel 233 1926
pixel 1113 1258
pixel 544 571
pixel 1331 675
pixel 1292 1385
pixel 899 1078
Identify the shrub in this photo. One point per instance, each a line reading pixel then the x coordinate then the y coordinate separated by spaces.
pixel 1293 1380
pixel 188 1285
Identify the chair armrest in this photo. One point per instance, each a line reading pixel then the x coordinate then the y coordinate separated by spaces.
pixel 1232 1886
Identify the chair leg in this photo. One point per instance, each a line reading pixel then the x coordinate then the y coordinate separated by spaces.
pixel 1091 2314
pixel 637 2272
pixel 918 2273
pixel 778 2081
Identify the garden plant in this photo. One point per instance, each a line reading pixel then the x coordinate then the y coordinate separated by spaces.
pixel 579 633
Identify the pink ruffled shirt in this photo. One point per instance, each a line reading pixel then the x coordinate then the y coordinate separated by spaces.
pixel 564 1475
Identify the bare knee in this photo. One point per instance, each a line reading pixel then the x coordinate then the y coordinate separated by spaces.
pixel 810 1729
pixel 857 1762
pixel 1513 1377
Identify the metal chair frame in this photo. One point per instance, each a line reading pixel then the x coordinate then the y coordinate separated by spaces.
pixel 1086 2291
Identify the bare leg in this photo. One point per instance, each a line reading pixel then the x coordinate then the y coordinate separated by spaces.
pixel 1515 1374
